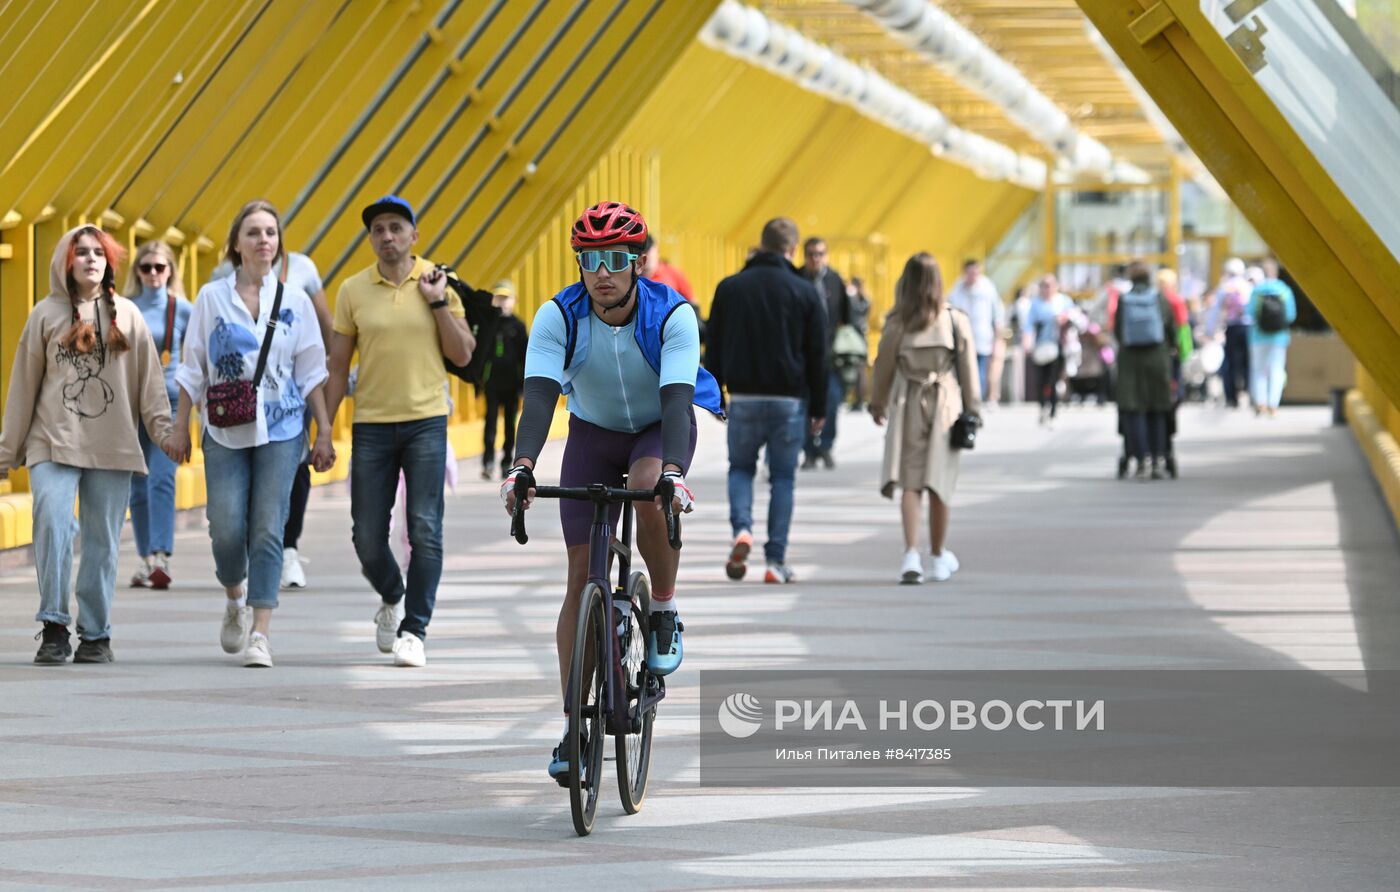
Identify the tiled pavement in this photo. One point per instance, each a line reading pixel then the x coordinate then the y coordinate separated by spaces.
pixel 174 768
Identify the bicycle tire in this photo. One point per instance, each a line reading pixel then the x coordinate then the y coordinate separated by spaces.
pixel 586 722
pixel 633 749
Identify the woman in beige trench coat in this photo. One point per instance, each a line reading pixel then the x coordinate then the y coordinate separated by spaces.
pixel 925 376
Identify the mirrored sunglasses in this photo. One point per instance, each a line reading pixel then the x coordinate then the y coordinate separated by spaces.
pixel 615 261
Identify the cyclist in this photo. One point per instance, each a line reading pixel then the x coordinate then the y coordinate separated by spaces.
pixel 626 352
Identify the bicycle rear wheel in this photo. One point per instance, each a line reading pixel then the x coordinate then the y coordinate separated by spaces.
pixel 586 721
pixel 634 747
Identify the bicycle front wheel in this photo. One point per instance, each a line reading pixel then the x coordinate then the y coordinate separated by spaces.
pixel 633 745
pixel 586 720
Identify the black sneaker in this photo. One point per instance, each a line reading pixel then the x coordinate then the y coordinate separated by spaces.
pixel 55 648
pixel 809 462
pixel 827 461
pixel 99 651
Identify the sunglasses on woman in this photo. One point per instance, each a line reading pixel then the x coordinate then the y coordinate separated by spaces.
pixel 149 268
pixel 615 261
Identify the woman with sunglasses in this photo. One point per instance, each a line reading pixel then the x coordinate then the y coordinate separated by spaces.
pixel 626 351
pixel 154 286
pixel 86 376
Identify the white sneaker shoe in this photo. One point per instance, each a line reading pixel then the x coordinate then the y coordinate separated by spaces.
pixel 258 655
pixel 912 573
pixel 408 651
pixel 942 567
pixel 950 559
pixel 293 576
pixel 386 626
pixel 233 634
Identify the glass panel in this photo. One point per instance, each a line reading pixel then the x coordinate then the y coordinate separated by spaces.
pixel 1331 101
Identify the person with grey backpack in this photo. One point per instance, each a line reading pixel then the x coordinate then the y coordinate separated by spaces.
pixel 1145 327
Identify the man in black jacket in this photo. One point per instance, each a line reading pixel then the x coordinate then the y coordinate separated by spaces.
pixel 767 347
pixel 838 312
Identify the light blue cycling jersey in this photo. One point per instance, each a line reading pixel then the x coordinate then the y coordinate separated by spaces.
pixel 615 388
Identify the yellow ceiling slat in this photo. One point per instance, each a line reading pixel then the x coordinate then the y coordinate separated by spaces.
pixel 174 36
pixel 37 162
pixel 291 123
pixel 414 114
pixel 494 236
pixel 213 111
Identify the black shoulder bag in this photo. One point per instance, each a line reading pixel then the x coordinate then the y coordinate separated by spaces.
pixel 964 432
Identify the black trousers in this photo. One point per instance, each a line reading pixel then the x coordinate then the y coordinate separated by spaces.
pixel 509 403
pixel 1044 378
pixel 1235 370
pixel 296 511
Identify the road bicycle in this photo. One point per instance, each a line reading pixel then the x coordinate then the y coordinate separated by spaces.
pixel 610 690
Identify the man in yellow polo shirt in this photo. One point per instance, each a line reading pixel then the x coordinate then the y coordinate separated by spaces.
pixel 403 319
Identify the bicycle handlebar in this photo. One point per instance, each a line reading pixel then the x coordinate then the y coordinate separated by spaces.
pixel 597 493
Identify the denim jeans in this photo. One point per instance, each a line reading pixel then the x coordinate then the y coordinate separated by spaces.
pixel 984 365
pixel 102 495
pixel 777 423
pixel 248 493
pixel 1268 364
pixel 835 395
pixel 153 500
pixel 380 451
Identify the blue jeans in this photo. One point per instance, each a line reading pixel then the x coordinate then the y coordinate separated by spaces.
pixel 248 493
pixel 102 495
pixel 777 423
pixel 380 451
pixel 1268 364
pixel 835 396
pixel 153 500
pixel 984 362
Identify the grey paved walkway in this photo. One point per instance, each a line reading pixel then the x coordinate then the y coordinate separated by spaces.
pixel 173 768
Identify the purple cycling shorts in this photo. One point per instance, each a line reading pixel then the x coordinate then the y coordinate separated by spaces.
pixel 594 454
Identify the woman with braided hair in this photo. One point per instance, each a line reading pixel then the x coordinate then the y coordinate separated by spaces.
pixel 86 376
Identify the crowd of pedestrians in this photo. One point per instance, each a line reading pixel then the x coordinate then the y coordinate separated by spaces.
pixel 104 389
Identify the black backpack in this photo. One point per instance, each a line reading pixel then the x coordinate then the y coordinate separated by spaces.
pixel 482 316
pixel 1273 317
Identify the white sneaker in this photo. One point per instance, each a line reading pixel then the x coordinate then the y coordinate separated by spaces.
pixel 233 634
pixel 293 576
pixel 258 654
pixel 912 573
pixel 951 560
pixel 940 568
pixel 408 651
pixel 386 626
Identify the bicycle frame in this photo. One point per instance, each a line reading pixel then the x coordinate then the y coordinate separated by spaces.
pixel 602 548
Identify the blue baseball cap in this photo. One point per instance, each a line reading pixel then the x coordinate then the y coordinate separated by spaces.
pixel 389 204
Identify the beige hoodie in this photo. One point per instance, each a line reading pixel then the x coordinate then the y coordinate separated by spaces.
pixel 82 410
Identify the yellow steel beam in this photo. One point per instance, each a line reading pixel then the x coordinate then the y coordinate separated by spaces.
pixel 1227 118
pixel 351 73
pixel 161 66
pixel 58 101
pixel 455 130
pixel 238 75
pixel 585 115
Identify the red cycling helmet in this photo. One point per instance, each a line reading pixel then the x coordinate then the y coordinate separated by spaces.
pixel 608 223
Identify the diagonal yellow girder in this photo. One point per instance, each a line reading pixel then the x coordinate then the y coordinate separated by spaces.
pixel 1206 91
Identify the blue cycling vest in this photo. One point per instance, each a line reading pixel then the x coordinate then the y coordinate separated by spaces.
pixel 655 304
